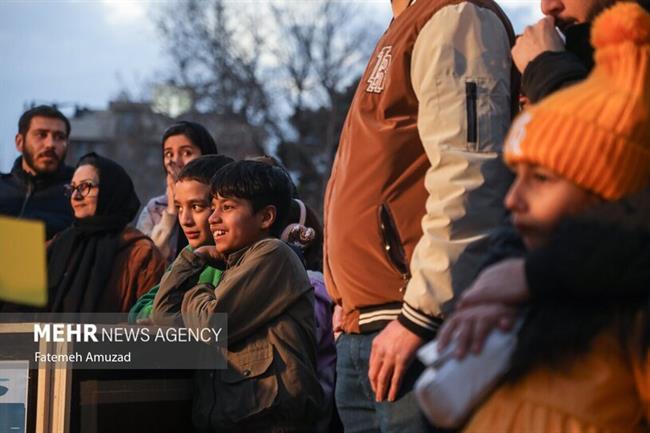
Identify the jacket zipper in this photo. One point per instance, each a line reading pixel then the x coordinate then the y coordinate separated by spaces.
pixel 392 244
pixel 472 121
pixel 30 189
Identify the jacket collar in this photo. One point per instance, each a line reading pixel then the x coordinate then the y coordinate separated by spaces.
pixel 234 258
pixel 63 174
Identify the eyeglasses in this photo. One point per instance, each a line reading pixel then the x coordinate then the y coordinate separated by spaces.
pixel 83 188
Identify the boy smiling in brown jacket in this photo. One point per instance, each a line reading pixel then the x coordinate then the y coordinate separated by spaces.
pixel 270 384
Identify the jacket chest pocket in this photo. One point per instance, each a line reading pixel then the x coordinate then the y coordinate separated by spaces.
pixel 248 386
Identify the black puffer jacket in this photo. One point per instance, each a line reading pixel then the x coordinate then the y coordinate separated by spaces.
pixel 37 197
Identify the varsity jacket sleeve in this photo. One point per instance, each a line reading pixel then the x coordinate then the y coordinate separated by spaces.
pixel 460 72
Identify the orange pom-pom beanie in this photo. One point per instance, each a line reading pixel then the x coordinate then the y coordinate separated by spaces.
pixel 597 133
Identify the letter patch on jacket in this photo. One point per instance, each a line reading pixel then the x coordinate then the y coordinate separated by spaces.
pixel 378 76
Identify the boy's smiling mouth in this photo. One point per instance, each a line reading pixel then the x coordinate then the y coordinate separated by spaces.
pixel 218 233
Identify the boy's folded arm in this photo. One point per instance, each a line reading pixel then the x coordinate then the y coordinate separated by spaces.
pixel 174 284
pixel 262 287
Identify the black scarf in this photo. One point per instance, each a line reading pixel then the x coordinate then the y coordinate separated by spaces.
pixel 80 259
pixel 578 42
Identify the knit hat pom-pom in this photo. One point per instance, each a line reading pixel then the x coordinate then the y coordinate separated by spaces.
pixel 624 22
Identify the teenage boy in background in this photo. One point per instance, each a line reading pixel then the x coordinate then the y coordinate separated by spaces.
pixel 192 201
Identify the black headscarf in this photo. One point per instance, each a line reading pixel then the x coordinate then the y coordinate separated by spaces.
pixel 201 138
pixel 80 259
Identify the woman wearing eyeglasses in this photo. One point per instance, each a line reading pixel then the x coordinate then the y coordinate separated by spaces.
pixel 181 143
pixel 100 264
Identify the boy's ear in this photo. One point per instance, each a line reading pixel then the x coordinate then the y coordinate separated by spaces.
pixel 268 214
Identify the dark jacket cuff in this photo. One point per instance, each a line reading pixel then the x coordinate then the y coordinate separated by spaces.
pixel 419 323
pixel 549 72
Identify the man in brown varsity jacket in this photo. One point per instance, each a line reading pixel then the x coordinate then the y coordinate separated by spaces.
pixel 416 187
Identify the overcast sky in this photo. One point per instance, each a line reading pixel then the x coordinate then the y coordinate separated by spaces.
pixel 85 51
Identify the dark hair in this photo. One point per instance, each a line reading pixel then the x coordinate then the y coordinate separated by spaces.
pixel 203 168
pixel 43 111
pixel 273 161
pixel 313 250
pixel 259 183
pixel 196 133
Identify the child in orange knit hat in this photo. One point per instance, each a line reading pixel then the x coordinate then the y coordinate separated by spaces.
pixel 581 369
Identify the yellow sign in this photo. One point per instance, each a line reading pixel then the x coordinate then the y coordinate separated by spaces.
pixel 23 276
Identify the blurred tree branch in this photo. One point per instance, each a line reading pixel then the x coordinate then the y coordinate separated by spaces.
pixel 289 68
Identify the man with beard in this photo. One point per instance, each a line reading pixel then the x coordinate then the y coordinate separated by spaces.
pixel 34 187
pixel 548 63
pixel 614 236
